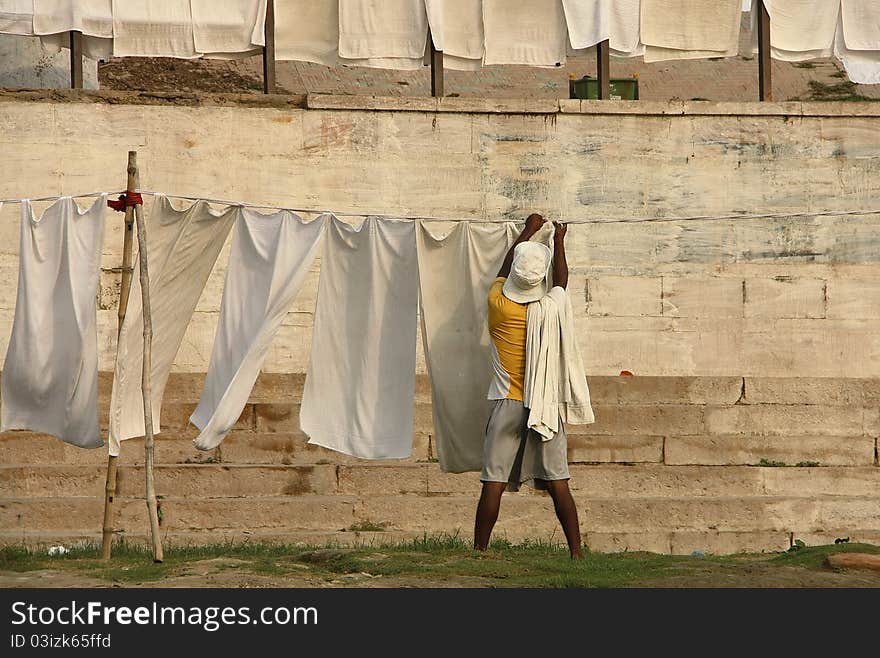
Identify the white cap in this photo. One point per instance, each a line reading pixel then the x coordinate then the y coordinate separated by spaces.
pixel 528 275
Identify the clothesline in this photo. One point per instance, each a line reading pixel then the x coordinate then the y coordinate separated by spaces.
pixel 427 218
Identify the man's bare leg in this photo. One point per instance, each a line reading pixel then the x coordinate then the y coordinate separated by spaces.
pixel 566 512
pixel 487 513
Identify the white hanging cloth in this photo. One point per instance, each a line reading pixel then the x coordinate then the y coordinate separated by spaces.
pixel 455 272
pixel 858 48
pixel 50 377
pixel 17 17
pixel 690 29
pixel 147 28
pixel 53 19
pixel 383 33
pixel 529 32
pixel 228 28
pixel 799 29
pixel 182 248
pixel 307 31
pixel 271 257
pixel 360 387
pixel 624 28
pixel 588 22
pixel 457 30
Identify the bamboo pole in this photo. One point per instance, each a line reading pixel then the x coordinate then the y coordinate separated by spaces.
pixel 146 387
pixel 125 290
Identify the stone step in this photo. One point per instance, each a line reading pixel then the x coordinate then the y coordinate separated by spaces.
pixel 594 480
pixel 454 513
pixel 670 542
pixel 791 449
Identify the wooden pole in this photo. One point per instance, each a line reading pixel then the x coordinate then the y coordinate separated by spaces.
pixel 765 83
pixel 146 387
pixel 125 290
pixel 436 68
pixel 76 60
pixel 603 69
pixel 269 50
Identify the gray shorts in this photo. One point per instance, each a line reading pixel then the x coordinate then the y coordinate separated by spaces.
pixel 515 454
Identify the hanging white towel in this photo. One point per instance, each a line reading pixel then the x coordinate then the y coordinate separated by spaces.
pixel 455 272
pixel 228 27
pixel 588 22
pixel 861 24
pixel 307 31
pixel 624 29
pixel 382 29
pixel 50 377
pixel 862 66
pixel 153 28
pixel 271 257
pixel 530 32
pixel 17 17
pixel 799 29
pixel 555 383
pixel 53 19
pixel 690 29
pixel 457 30
pixel 182 248
pixel 360 387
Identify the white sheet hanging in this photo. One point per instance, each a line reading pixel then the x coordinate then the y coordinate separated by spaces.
pixel 685 29
pixel 182 248
pixel 360 387
pixel 307 31
pixel 153 28
pixel 624 30
pixel 53 19
pixel 385 29
pixel 799 29
pixel 588 22
pixel 861 24
pixel 457 30
pixel 271 257
pixel 455 272
pixel 862 66
pixel 50 377
pixel 228 27
pixel 529 32
pixel 17 17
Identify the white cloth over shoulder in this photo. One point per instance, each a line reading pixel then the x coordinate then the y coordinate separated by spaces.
pixel 17 17
pixel 454 274
pixel 150 28
pixel 50 377
pixel 457 30
pixel 307 31
pixel 588 22
pixel 555 383
pixel 383 30
pixel 359 395
pixel 182 247
pixel 270 258
pixel 690 29
pixel 228 27
pixel 530 32
pixel 53 19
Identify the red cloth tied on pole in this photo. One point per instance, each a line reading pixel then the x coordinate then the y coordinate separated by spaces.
pixel 126 200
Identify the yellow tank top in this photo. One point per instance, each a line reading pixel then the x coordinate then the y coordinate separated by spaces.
pixel 507 328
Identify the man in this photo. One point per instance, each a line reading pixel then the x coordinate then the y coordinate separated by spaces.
pixel 513 453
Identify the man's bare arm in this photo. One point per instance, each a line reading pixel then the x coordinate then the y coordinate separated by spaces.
pixel 533 225
pixel 560 266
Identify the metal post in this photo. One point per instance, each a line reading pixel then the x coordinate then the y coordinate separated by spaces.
pixel 603 69
pixel 269 50
pixel 436 68
pixel 765 84
pixel 76 60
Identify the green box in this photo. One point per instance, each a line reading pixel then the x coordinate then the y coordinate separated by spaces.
pixel 620 89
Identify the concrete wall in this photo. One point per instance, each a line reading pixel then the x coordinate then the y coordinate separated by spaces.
pixel 750 339
pixel 24 63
